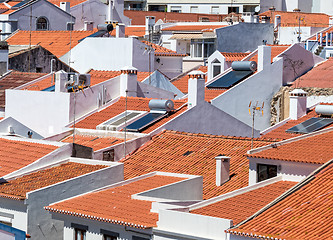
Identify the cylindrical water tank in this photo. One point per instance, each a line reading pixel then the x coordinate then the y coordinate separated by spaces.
pixel 244 66
pixel 326 110
pixel 105 27
pixel 159 104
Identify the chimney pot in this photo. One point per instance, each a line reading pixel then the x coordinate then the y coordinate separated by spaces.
pixel 222 169
pixel 128 82
pixel 196 88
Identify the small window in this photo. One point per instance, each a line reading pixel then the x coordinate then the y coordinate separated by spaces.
pixel 176 9
pixel 80 234
pixel 108 155
pixel 265 171
pixel 70 26
pixel 139 238
pixel 216 69
pixel 109 235
pixel 233 9
pixel 42 24
pixel 194 9
pixel 215 10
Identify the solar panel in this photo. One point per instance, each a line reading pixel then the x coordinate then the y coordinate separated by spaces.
pixel 118 122
pixel 20 4
pixel 49 89
pixel 230 79
pixel 145 121
pixel 311 125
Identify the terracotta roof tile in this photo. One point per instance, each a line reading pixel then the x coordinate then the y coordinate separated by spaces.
pixel 231 57
pixel 318 77
pixel 305 213
pixel 18 188
pixel 98 76
pixel 15 154
pixel 57 42
pixel 242 206
pixel 195 28
pixel 290 19
pixel 133 103
pixel 166 152
pixel 138 17
pixel 15 79
pixel 95 142
pixel 72 2
pixel 317 149
pixel 210 93
pixel 42 84
pixel 276 50
pixel 162 51
pixel 280 133
pixel 115 204
pixel 138 31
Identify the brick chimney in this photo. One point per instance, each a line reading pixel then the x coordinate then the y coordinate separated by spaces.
pixel 222 169
pixel 297 107
pixel 128 82
pixel 196 88
pixel 264 57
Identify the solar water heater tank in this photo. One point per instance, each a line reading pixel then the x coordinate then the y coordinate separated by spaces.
pixel 105 27
pixel 159 104
pixel 325 110
pixel 244 66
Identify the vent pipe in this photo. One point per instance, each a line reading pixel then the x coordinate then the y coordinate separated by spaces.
pixel 222 169
pixel 297 107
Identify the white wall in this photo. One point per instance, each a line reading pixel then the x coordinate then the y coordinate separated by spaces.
pixel 290 171
pixel 44 112
pixel 170 66
pixel 207 7
pixel 260 88
pixel 288 35
pixel 182 225
pixel 14 211
pixel 109 54
pixel 313 100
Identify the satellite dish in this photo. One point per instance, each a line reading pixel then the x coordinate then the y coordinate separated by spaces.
pixel 257 9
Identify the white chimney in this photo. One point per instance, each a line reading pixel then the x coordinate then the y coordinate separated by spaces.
pixel 150 22
pixel 88 26
pixel 65 6
pixel 264 57
pixel 120 30
pixel 330 21
pixel 222 169
pixel 196 88
pixel 297 107
pixel 3 57
pixel 128 82
pixel 61 78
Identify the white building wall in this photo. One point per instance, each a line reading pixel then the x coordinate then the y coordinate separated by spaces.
pixel 170 66
pixel 290 171
pixel 15 212
pixel 44 112
pixel 204 7
pixel 288 35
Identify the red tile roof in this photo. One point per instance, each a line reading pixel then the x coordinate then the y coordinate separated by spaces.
pixel 162 51
pixel 138 31
pixel 138 17
pixel 166 152
pixel 305 213
pixel 18 188
pixel 15 154
pixel 242 206
pixel 210 94
pixel 276 50
pixel 280 133
pixel 231 57
pixel 290 19
pixel 114 205
pixel 98 76
pixel 133 103
pixel 57 42
pixel 317 149
pixel 195 28
pixel 182 82
pixel 72 2
pixel 42 84
pixel 95 142
pixel 318 77
pixel 15 79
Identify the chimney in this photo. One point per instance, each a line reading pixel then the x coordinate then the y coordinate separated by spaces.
pixel 277 21
pixel 65 6
pixel 264 57
pixel 222 169
pixel 120 30
pixel 330 21
pixel 196 88
pixel 128 82
pixel 61 78
pixel 88 26
pixel 297 107
pixel 3 57
pixel 150 22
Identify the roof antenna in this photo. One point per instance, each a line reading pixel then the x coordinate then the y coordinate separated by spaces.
pixel 255 108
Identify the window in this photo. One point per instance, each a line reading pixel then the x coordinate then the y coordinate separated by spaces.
pixel 194 9
pixel 70 26
pixel 79 231
pixel 202 48
pixel 176 9
pixel 233 9
pixel 215 10
pixel 109 235
pixel 265 171
pixel 42 24
pixel 139 238
pixel 108 155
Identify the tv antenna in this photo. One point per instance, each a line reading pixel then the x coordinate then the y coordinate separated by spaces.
pixel 253 108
